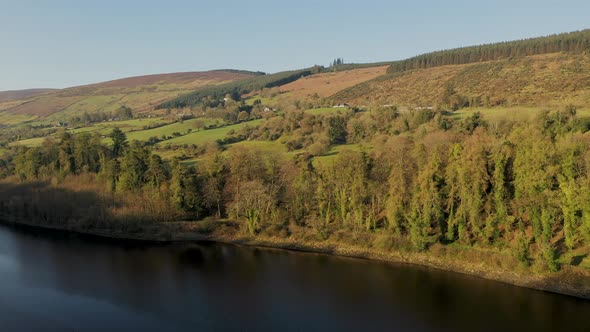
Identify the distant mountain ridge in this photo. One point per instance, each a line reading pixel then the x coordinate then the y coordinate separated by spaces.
pixel 133 81
pixel 20 94
pixel 542 71
pixel 141 93
pixel 535 74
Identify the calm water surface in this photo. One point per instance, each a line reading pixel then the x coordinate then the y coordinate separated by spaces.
pixel 62 282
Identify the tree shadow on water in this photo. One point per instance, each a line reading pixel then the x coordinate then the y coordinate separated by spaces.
pixel 41 203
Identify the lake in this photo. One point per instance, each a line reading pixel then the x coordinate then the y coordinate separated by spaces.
pixel 57 281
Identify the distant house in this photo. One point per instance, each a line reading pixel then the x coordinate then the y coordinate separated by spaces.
pixel 344 105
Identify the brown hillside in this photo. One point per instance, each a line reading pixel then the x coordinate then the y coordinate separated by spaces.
pixel 195 79
pixel 21 94
pixel 44 106
pixel 541 80
pixel 327 84
pixel 140 93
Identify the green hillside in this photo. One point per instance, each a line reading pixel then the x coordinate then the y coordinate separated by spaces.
pixel 142 94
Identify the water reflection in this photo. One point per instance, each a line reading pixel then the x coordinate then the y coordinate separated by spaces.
pixel 80 283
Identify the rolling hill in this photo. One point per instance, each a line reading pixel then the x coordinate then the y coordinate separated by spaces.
pixel 540 80
pixel 544 71
pixel 541 73
pixel 21 94
pixel 140 93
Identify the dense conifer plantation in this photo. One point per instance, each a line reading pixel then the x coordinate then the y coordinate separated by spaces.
pixel 578 41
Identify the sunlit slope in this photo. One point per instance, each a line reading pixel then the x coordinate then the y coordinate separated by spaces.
pixel 540 80
pixel 328 83
pixel 140 93
pixel 6 96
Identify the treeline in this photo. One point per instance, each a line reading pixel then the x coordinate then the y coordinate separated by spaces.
pixel 12 134
pixel 239 71
pixel 123 170
pixel 337 62
pixel 237 88
pixel 578 41
pixel 351 66
pixel 122 113
pixel 521 187
pixel 429 180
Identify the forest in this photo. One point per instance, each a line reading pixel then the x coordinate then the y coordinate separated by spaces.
pixel 419 178
pixel 578 41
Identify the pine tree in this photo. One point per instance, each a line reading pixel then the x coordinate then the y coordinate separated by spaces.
pixel 119 142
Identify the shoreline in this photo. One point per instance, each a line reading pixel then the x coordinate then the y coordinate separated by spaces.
pixel 570 280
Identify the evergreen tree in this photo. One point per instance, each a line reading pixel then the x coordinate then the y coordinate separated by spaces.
pixel 134 166
pixel 119 142
pixel 426 216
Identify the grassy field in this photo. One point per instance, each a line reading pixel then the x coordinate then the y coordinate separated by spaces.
pixel 125 125
pixel 210 135
pixel 328 158
pixel 273 147
pixel 263 100
pixel 168 130
pixel 12 119
pixel 265 146
pixel 103 128
pixel 135 131
pixel 169 154
pixel 135 123
pixel 29 142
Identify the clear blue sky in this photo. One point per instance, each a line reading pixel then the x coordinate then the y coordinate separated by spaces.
pixel 59 43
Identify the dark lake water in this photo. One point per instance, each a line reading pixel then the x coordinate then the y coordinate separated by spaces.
pixel 62 282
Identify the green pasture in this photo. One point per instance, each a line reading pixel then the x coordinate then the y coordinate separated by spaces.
pixel 168 130
pixel 210 135
pixel 328 158
pixel 31 142
pixel 10 119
